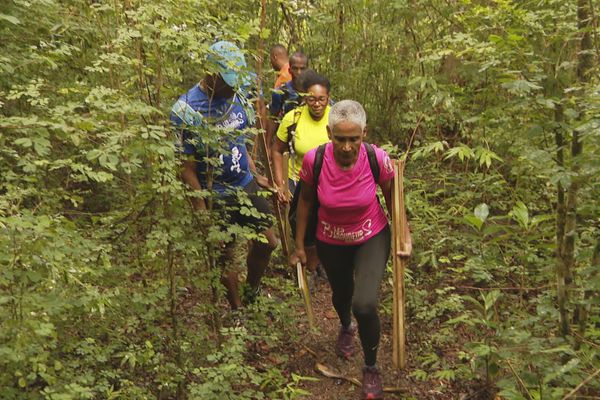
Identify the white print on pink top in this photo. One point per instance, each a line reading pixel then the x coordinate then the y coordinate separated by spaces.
pixel 339 233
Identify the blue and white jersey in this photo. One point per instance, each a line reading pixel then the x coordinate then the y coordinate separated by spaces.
pixel 196 108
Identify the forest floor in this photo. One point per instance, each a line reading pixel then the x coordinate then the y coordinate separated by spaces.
pixel 319 347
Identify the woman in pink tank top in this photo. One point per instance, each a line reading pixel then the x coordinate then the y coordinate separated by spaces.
pixel 353 235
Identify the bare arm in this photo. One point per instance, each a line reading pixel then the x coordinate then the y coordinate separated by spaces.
pixel 270 131
pixel 305 206
pixel 260 179
pixel 386 188
pixel 190 178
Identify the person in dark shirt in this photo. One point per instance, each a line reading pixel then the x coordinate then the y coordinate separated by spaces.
pixel 286 97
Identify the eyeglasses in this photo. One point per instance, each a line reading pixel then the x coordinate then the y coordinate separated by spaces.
pixel 311 100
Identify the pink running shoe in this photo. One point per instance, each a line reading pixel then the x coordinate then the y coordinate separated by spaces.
pixel 345 342
pixel 371 384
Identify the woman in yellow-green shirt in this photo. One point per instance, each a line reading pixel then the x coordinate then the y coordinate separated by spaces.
pixel 301 130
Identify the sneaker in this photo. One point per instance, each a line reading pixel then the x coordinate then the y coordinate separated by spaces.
pixel 371 384
pixel 345 342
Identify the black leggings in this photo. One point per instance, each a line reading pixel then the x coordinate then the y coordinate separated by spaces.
pixel 355 274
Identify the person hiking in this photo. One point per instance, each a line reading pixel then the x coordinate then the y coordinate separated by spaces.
pixel 301 130
pixel 353 234
pixel 287 96
pixel 218 102
pixel 281 63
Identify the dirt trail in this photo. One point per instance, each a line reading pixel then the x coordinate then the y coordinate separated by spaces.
pixel 319 346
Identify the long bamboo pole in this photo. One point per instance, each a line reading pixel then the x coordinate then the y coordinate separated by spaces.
pixel 300 271
pixel 303 285
pixel 286 209
pixel 399 265
pixel 280 214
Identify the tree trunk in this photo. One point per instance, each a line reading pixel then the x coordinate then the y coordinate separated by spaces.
pixel 340 49
pixel 560 226
pixel 583 308
pixel 584 65
pixel 566 234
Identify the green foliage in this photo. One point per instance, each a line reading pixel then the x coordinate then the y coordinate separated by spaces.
pixel 108 282
pixel 227 371
pixel 104 270
pixel 477 92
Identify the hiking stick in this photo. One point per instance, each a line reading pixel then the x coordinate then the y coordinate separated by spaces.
pixel 305 295
pixel 300 272
pixel 286 209
pixel 279 212
pixel 399 264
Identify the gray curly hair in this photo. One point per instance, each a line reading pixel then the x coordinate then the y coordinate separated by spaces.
pixel 347 110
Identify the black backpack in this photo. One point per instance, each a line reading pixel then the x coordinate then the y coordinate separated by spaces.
pixel 311 228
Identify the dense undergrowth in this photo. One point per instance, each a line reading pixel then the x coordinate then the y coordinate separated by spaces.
pixel 108 283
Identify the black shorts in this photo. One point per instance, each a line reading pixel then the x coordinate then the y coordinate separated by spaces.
pixel 237 211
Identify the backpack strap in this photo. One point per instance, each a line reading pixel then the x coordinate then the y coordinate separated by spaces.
pixel 373 163
pixel 291 131
pixel 318 164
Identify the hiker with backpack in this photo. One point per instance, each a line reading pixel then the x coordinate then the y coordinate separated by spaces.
pixel 339 189
pixel 301 130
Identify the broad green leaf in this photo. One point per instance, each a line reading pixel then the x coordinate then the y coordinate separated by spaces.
pixel 521 214
pixel 24 142
pixel 13 20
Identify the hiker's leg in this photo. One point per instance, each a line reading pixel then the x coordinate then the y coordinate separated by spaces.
pixel 229 277
pixel 312 259
pixel 337 261
pixel 259 253
pixel 370 262
pixel 258 258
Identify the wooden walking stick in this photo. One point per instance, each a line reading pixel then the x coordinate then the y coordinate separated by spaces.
pixel 300 272
pixel 280 213
pixel 286 209
pixel 303 285
pixel 399 263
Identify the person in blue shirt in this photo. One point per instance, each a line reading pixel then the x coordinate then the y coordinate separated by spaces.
pixel 211 120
